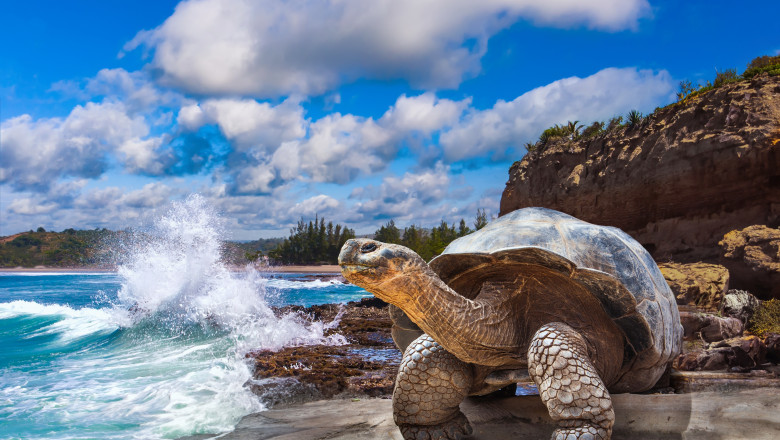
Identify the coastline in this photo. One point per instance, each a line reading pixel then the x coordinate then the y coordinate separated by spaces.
pixel 327 268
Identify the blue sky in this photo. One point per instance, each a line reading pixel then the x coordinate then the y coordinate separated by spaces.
pixel 358 111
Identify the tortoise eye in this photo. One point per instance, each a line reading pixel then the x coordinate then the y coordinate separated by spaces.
pixel 368 247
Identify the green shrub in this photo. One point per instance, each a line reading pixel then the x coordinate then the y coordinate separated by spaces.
pixel 763 61
pixel 634 118
pixel 615 123
pixel 593 129
pixel 767 318
pixel 725 77
pixel 686 88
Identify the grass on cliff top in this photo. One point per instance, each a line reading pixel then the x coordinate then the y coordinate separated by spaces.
pixel 572 130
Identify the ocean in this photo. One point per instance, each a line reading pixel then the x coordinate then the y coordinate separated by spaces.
pixel 154 350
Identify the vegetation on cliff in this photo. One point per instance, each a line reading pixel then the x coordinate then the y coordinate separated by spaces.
pixel 573 131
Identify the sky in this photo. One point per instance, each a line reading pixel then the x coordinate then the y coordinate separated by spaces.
pixel 358 111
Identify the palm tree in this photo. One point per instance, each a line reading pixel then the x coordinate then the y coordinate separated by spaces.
pixel 573 130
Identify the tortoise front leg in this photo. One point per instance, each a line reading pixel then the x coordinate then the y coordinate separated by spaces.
pixel 430 385
pixel 569 384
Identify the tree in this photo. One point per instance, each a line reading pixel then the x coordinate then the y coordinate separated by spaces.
pixel 388 233
pixel 312 242
pixel 481 219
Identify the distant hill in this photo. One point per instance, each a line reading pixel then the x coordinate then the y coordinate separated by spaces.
pixel 92 248
pixel 69 248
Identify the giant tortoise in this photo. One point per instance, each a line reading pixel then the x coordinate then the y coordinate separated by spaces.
pixel 582 308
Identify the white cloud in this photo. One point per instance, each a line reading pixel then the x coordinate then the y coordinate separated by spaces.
pixel 246 122
pixel 336 148
pixel 152 195
pixel 413 194
pixel 502 129
pixel 135 89
pixel 27 206
pixel 36 153
pixel 276 48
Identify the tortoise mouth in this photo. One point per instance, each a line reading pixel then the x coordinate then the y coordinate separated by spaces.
pixel 355 267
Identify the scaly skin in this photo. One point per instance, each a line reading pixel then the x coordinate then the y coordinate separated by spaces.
pixel 569 384
pixel 431 384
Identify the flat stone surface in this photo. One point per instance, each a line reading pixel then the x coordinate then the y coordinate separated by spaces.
pixel 740 414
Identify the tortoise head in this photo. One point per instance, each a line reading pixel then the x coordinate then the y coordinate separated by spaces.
pixel 381 268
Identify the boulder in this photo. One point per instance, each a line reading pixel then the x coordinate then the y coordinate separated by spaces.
pixel 698 284
pixel 739 304
pixel 708 327
pixel 752 256
pixel 718 329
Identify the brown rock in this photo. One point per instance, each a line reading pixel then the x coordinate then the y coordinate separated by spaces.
pixel 718 329
pixel 698 284
pixel 751 346
pixel 692 323
pixel 690 173
pixel 736 354
pixel 752 256
pixel 708 327
pixel 772 342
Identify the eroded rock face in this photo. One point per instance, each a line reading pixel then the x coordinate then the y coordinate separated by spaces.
pixel 752 256
pixel 688 175
pixel 698 284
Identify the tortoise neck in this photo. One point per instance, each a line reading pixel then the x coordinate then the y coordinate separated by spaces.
pixel 471 330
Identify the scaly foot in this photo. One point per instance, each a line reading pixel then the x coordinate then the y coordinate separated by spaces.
pixel 569 384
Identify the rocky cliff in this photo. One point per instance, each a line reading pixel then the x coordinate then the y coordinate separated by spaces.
pixel 677 181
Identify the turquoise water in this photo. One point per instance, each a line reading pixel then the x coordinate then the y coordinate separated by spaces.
pixel 155 350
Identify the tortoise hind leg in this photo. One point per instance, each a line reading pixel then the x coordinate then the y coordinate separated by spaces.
pixel 569 384
pixel 430 385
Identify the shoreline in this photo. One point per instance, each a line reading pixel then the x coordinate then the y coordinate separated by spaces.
pixel 325 269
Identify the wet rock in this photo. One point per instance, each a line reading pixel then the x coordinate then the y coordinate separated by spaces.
pixel 698 284
pixel 752 256
pixel 739 304
pixel 365 366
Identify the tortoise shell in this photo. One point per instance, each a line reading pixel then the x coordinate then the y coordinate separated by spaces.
pixel 606 261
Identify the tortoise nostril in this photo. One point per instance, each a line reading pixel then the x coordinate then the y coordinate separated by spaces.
pixel 368 247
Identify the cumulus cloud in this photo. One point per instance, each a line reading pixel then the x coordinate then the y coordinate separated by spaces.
pixel 246 122
pixel 399 197
pixel 136 90
pixel 502 129
pixel 36 153
pixel 336 148
pixel 275 48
